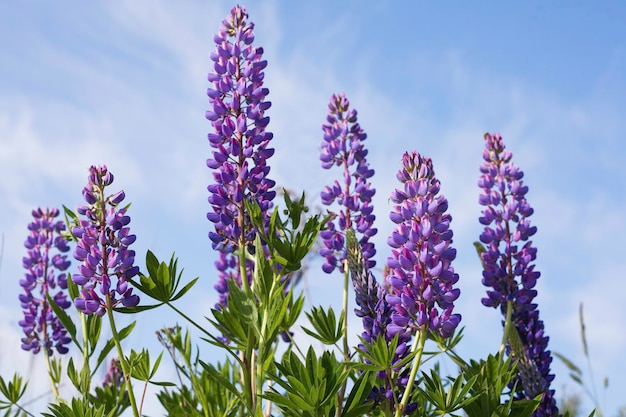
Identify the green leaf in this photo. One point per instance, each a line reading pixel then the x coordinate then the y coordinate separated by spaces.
pixel 186 288
pixel 65 319
pixel 480 249
pixel 72 288
pixel 94 328
pixel 109 345
pixel 73 374
pixel 356 404
pixel 123 334
pixel 221 380
pixel 152 263
pixel 327 330
pixel 14 389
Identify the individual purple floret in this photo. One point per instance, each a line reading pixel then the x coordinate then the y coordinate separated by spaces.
pixel 342 146
pixel 421 276
pixel 509 270
pixel 45 264
pixel 103 248
pixel 240 140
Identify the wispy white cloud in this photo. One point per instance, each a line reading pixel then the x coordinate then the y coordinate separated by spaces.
pixel 135 101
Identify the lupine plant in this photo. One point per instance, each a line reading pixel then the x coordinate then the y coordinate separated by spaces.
pixel 509 271
pixel 45 283
pixel 408 315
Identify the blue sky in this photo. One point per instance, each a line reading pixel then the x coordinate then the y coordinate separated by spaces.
pixel 123 82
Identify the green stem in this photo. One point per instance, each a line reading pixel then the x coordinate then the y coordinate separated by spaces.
pixel 55 389
pixel 83 323
pixel 418 345
pixel 123 362
pixel 241 252
pixel 346 347
pixel 260 361
pixel 507 327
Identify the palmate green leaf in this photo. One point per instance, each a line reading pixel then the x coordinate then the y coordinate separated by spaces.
pixel 14 389
pixel 141 369
pixel 454 398
pixel 238 321
pixel 311 385
pixel 377 355
pixel 492 378
pixel 79 408
pixel 161 283
pixel 327 330
pixel 288 243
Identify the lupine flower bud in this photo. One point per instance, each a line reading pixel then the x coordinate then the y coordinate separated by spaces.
pixel 114 376
pixel 103 248
pixel 375 313
pixel 342 146
pixel 509 271
pixel 45 264
pixel 421 275
pixel 240 140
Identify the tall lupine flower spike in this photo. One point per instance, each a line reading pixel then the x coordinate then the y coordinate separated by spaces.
pixel 509 271
pixel 103 248
pixel 343 146
pixel 421 275
pixel 45 264
pixel 240 140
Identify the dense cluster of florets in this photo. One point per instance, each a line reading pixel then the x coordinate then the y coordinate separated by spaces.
pixel 240 140
pixel 421 275
pixel 343 147
pixel 509 270
pixel 107 262
pixel 45 265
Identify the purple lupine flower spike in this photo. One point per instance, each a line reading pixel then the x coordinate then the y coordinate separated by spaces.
pixel 107 262
pixel 421 277
pixel 509 271
pixel 343 146
pixel 240 140
pixel 45 264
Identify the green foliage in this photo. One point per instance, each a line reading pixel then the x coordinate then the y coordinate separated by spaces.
pixel 161 283
pixel 327 329
pixel 310 387
pixel 492 377
pixel 12 391
pixel 78 408
pixel 289 239
pixel 455 398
